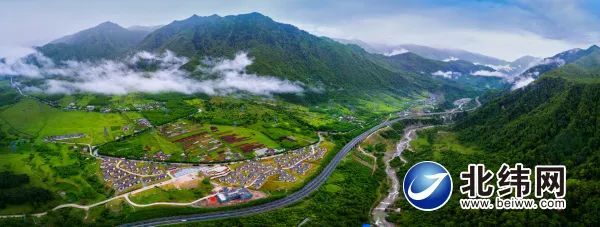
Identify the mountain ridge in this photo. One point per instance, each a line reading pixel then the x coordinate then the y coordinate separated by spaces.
pixel 439 54
pixel 105 40
pixel 276 49
pixel 558 61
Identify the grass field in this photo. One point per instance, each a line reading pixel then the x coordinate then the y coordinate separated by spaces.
pixel 38 120
pixel 444 142
pixel 71 176
pixel 171 194
pixel 252 135
pixel 139 145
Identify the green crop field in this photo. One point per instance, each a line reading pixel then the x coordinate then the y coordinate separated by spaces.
pixel 191 141
pixel 145 143
pixel 252 135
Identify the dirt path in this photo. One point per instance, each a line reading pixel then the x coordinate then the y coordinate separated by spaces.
pixel 87 207
pixel 165 203
pixel 374 165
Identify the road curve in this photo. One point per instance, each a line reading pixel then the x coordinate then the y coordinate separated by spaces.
pixel 310 187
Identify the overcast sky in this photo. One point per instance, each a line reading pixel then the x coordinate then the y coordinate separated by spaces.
pixel 504 29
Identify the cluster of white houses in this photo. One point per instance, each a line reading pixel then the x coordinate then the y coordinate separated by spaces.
pixel 65 137
pixel 124 175
pixel 104 109
pixel 255 174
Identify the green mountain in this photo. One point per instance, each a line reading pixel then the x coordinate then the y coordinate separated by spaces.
pixel 556 116
pixel 458 71
pixel 583 69
pixel 439 54
pixel 415 63
pixel 523 63
pixel 106 40
pixel 554 120
pixel 277 49
pixel 285 51
pixel 559 60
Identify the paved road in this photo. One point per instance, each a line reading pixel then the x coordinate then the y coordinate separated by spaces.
pixel 293 198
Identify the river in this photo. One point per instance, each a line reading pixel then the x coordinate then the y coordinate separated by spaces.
pixel 380 212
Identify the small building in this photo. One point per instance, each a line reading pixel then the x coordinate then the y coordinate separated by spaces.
pixel 235 194
pixel 212 200
pixel 65 137
pixel 143 122
pixel 261 152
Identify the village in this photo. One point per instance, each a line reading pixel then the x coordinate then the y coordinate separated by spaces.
pixel 134 107
pixel 235 163
pixel 234 182
pixel 124 175
pixel 255 173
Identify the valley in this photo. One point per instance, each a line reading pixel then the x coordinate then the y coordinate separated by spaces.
pixel 243 120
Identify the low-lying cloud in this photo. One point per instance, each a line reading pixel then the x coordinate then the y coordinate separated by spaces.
pixel 521 82
pixel 446 74
pixel 451 58
pixel 129 75
pixel 489 73
pixel 396 52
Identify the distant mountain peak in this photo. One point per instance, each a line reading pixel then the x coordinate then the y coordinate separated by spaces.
pixel 104 40
pixel 256 14
pixel 191 18
pixel 108 24
pixel 144 28
pixel 593 48
pixel 252 16
pixel 525 58
pixel 433 53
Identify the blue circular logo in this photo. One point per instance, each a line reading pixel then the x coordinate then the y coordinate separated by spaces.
pixel 427 185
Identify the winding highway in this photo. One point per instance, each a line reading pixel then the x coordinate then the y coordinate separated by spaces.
pixel 297 196
pixel 293 198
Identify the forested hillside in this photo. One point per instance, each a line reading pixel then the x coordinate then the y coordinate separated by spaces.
pixel 106 40
pixel 326 68
pixel 551 121
pixel 458 71
pixel 278 49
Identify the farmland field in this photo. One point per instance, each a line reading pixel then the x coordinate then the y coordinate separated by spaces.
pixel 143 144
pixel 184 140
